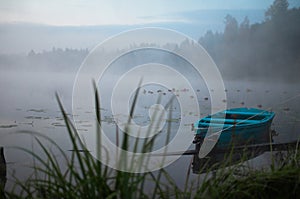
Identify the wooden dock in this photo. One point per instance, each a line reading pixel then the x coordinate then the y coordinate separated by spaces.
pixel 218 155
pixel 2 173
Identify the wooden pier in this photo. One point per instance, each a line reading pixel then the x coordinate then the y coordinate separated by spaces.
pixel 2 173
pixel 218 156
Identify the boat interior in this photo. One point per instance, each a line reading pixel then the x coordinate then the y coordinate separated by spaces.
pixel 230 118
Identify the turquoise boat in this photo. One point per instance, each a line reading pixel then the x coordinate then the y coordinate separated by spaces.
pixel 238 126
pixel 240 129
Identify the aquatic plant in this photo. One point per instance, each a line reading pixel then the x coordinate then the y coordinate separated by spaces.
pixel 59 174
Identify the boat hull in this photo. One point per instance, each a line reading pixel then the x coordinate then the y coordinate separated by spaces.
pixel 239 127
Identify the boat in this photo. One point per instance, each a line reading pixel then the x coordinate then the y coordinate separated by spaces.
pixel 238 128
pixel 244 133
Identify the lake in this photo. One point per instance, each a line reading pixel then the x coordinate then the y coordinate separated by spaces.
pixel 28 103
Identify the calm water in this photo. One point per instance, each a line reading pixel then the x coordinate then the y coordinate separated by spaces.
pixel 27 102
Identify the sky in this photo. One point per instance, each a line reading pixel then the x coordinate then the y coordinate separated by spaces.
pixel 40 25
pixel 114 12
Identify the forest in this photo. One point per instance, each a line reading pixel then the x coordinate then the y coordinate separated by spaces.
pixel 55 60
pixel 269 50
pixel 264 51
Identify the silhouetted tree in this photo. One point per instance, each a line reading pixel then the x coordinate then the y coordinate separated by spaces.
pixel 231 29
pixel 277 9
pixel 267 49
pixel 244 28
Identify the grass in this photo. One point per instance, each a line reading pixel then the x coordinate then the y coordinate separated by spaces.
pixel 80 175
pixel 280 182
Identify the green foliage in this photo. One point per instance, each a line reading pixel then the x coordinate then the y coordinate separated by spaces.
pixel 80 175
pixel 282 181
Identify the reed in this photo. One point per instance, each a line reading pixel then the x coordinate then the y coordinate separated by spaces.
pixel 280 180
pixel 80 175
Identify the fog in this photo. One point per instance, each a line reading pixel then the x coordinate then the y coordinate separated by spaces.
pixel 266 51
pixel 19 37
pixel 259 59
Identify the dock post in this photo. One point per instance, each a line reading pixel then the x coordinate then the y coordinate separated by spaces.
pixel 2 173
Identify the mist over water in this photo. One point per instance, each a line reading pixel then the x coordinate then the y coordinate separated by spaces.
pixel 255 76
pixel 28 103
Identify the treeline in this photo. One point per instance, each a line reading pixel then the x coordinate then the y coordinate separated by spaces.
pixel 266 50
pixel 56 60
